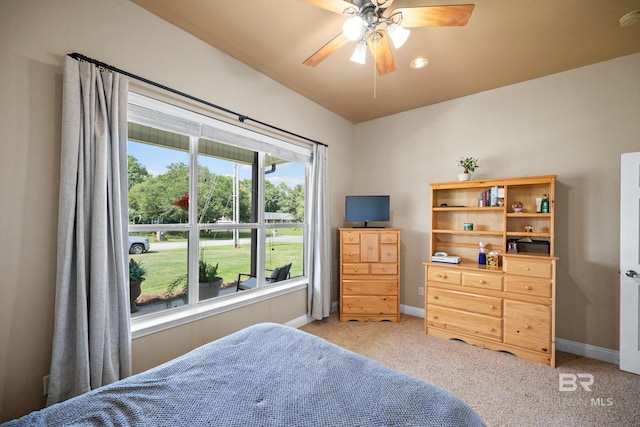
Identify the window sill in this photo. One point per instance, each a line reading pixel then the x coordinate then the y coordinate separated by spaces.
pixel 181 315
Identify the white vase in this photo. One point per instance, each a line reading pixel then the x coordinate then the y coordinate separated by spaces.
pixel 464 176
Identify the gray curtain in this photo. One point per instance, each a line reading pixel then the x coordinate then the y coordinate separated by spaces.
pixel 320 237
pixel 92 337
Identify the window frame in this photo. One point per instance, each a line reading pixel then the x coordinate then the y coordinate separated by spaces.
pixel 174 118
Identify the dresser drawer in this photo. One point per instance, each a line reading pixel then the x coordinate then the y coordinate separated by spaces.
pixel 437 274
pixel 388 253
pixel 389 238
pixel 468 323
pixel 482 281
pixel 467 302
pixel 528 286
pixel 351 237
pixel 350 253
pixel 369 304
pixel 527 325
pixel 384 269
pixel 360 268
pixel 371 287
pixel 528 267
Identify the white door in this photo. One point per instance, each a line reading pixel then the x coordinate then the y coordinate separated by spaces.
pixel 630 263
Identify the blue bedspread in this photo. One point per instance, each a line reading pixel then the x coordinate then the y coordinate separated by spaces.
pixel 264 375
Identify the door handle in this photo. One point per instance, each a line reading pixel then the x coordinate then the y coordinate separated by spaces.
pixel 631 273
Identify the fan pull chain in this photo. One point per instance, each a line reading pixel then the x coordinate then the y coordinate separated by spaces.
pixel 375 75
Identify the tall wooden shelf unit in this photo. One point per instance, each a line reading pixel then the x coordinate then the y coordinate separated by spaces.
pixel 370 274
pixel 509 308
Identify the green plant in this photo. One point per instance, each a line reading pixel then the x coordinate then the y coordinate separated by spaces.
pixel 469 164
pixel 136 270
pixel 207 273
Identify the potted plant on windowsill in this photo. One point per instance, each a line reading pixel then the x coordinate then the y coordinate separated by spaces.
pixel 210 282
pixel 136 277
pixel 469 164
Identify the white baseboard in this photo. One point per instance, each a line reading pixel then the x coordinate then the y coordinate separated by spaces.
pixel 412 311
pixel 588 350
pixel 577 348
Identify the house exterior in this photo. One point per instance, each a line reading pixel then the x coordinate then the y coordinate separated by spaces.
pixel 574 124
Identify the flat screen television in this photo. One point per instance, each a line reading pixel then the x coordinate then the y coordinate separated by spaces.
pixel 366 209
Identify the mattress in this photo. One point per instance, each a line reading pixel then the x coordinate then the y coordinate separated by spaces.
pixel 264 375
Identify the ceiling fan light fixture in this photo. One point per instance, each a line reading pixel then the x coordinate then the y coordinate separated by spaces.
pixel 398 35
pixel 352 28
pixel 360 54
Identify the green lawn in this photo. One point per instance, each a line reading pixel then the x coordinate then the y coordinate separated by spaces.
pixel 164 266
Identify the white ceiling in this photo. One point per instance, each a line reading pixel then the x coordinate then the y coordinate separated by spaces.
pixel 505 42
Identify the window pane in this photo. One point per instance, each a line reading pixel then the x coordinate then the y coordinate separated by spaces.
pixel 165 264
pixel 224 183
pixel 285 245
pixel 284 191
pixel 230 251
pixel 158 184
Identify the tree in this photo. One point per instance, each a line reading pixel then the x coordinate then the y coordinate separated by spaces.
pixel 137 173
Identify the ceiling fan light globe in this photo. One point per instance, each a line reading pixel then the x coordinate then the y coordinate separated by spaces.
pixel 352 28
pixel 360 54
pixel 398 35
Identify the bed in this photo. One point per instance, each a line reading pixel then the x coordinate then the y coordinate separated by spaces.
pixel 264 375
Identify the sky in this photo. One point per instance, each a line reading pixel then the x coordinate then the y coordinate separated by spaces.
pixel 156 159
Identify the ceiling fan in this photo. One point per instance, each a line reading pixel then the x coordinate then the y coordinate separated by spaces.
pixel 371 24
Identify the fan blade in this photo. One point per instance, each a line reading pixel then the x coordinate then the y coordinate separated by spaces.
pixel 337 6
pixel 382 3
pixel 435 16
pixel 381 51
pixel 321 54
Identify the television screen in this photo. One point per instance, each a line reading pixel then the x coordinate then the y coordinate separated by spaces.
pixel 366 208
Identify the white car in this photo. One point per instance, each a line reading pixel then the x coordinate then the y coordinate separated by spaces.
pixel 138 245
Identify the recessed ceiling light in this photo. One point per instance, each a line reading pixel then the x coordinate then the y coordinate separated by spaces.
pixel 630 18
pixel 418 63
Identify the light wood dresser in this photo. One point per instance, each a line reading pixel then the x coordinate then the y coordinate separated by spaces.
pixel 370 274
pixel 510 307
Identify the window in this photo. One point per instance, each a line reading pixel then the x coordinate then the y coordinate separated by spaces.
pixel 223 208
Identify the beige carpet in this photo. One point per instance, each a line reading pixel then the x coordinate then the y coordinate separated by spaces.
pixel 504 390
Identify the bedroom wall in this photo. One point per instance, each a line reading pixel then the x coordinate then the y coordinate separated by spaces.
pixel 34 38
pixel 573 124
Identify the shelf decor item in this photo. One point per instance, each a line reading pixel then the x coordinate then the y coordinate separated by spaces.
pixel 469 164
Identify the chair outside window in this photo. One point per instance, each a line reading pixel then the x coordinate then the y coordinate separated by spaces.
pixel 277 275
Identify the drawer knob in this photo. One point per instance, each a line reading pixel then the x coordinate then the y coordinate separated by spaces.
pixel 492 307
pixel 527 287
pixel 388 253
pixel 493 329
pixel 349 305
pixel 526 326
pixel 436 297
pixel 349 288
pixel 355 269
pixel 384 269
pixel 435 317
pixel 526 269
pixel 482 282
pixel 442 276
pixel 370 247
pixel 390 288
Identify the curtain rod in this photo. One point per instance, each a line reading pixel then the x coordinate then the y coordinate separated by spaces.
pixel 241 117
